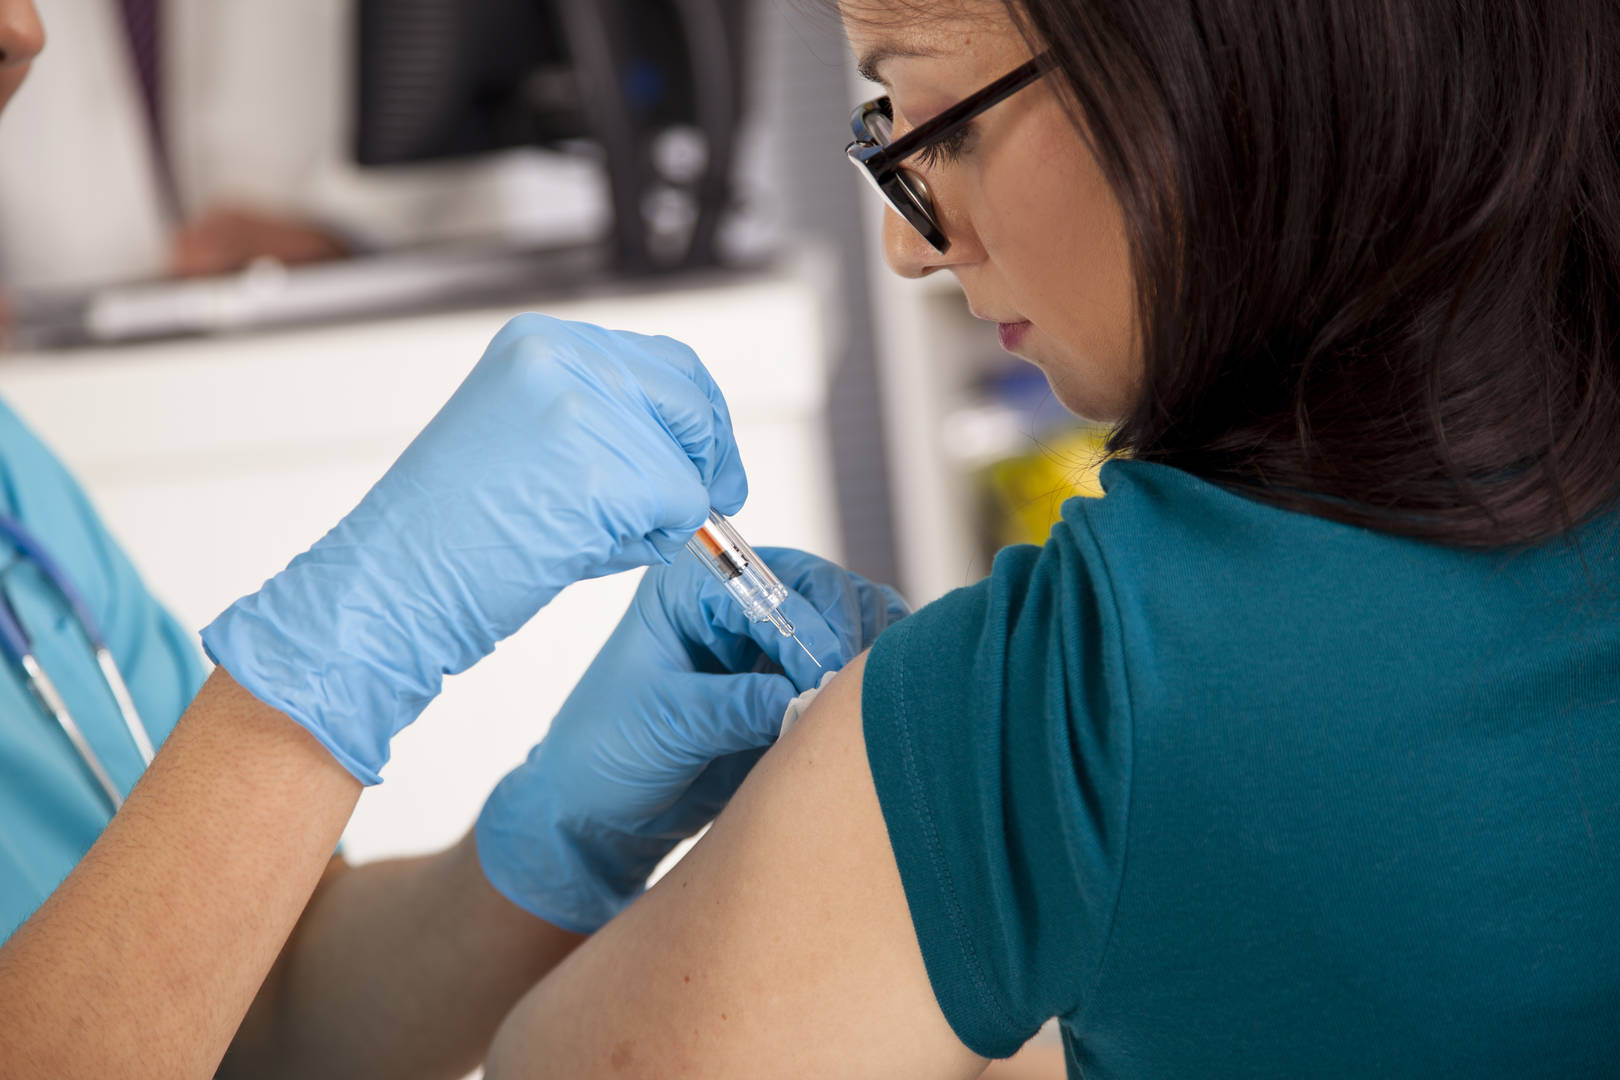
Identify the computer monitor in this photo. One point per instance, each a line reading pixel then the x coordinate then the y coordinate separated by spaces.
pixel 443 79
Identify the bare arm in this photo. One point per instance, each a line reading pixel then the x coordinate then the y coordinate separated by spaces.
pixel 147 958
pixel 781 946
pixel 401 968
pixel 1036 1061
pixel 144 960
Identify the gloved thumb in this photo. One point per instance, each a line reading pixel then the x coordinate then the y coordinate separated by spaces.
pixel 707 796
pixel 734 713
pixel 819 649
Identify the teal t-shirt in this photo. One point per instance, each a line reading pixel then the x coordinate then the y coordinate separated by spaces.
pixel 51 810
pixel 1239 792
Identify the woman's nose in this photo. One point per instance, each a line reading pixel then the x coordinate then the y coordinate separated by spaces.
pixel 911 256
pixel 22 35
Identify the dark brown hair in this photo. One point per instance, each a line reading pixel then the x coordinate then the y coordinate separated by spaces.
pixel 1377 245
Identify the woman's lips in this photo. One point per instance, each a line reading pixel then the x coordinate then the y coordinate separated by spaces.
pixel 1011 333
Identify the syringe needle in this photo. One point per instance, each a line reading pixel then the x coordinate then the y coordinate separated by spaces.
pixel 807 652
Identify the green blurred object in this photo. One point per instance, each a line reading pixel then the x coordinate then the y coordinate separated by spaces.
pixel 1024 495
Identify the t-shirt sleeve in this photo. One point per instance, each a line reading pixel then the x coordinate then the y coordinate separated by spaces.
pixel 998 733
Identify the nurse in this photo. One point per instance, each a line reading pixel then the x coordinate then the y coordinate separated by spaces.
pixel 206 926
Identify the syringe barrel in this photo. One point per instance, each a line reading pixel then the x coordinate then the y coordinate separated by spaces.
pixel 721 548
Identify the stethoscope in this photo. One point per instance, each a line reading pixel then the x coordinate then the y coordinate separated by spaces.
pixel 20 651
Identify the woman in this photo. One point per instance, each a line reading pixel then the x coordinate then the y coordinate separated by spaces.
pixel 213 895
pixel 1297 754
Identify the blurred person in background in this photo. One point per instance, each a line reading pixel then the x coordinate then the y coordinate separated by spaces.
pixel 188 137
pixel 107 172
pixel 182 914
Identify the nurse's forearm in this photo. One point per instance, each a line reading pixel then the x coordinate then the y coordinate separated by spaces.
pixel 402 968
pixel 145 960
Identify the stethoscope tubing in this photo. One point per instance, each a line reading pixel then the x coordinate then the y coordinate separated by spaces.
pixel 19 650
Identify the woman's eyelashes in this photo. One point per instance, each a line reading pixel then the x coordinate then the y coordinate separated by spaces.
pixel 946 150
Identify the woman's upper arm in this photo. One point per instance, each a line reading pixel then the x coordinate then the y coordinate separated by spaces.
pixel 781 946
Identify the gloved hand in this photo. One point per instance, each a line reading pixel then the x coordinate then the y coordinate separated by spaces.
pixel 569 452
pixel 659 732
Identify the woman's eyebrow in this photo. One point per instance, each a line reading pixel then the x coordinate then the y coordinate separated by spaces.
pixel 875 58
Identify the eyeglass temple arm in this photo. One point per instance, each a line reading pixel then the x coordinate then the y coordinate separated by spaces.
pixel 998 91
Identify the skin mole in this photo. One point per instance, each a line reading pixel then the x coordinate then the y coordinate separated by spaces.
pixel 622 1057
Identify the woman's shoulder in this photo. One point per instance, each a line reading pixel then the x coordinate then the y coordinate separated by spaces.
pixel 1163 531
pixel 1169 588
pixel 1177 509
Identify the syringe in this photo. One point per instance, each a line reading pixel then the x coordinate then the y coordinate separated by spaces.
pixel 720 547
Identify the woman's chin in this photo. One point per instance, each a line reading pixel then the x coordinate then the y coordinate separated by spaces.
pixel 1093 403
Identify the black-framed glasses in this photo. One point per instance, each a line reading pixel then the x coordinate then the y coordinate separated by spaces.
pixel 879 160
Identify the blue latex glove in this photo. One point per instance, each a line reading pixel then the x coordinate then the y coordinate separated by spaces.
pixel 569 452
pixel 659 732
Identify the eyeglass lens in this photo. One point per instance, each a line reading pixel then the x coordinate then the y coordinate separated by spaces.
pixel 902 189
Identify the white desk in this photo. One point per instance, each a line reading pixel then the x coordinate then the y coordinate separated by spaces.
pixel 216 460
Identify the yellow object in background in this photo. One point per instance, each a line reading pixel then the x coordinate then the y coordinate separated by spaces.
pixel 1024 495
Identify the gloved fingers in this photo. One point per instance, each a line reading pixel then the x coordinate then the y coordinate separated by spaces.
pixel 668 544
pixel 676 498
pixel 642 642
pixel 820 647
pixel 715 626
pixel 662 418
pixel 856 609
pixel 671 598
pixel 715 786
pixel 727 481
pixel 707 795
pixel 703 717
pixel 834 613
pixel 701 610
pixel 685 604
pixel 523 325
pixel 694 412
pixel 656 548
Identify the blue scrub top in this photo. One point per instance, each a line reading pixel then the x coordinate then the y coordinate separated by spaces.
pixel 51 809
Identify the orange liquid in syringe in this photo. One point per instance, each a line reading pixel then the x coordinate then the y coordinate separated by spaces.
pixel 721 554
